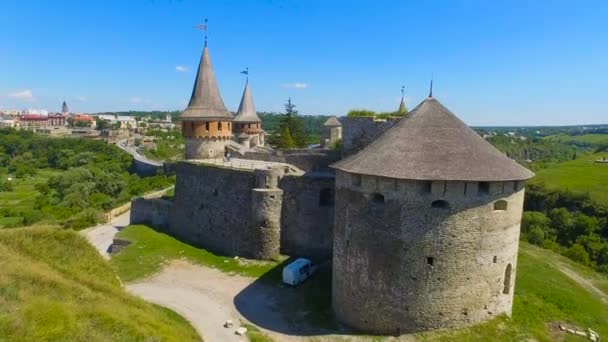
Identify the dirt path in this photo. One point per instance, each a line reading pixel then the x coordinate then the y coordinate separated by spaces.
pixel 102 236
pixel 206 297
pixel 582 281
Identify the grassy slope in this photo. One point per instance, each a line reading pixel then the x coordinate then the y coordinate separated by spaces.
pixel 543 294
pixel 150 250
pixel 594 139
pixel 23 194
pixel 54 286
pixel 580 176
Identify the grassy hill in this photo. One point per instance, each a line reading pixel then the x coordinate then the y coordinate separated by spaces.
pixel 546 292
pixel 581 175
pixel 55 286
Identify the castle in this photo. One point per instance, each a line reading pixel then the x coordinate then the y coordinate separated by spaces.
pixel 420 215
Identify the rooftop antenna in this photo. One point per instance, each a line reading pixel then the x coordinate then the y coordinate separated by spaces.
pixel 203 27
pixel 431 91
pixel 246 72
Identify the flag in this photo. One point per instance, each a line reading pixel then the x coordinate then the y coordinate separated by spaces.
pixel 245 72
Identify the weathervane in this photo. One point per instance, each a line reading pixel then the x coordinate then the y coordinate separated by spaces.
pixel 402 91
pixel 203 27
pixel 431 91
pixel 246 72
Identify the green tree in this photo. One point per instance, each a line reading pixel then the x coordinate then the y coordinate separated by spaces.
pixel 294 123
pixel 285 140
pixel 578 253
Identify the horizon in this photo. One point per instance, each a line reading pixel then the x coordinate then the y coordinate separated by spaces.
pixel 493 65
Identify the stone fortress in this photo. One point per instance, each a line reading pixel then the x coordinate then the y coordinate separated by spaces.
pixel 419 215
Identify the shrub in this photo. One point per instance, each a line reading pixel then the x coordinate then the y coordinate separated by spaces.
pixel 578 253
pixel 86 218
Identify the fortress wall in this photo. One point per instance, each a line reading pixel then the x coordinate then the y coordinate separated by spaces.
pixel 212 209
pixel 403 265
pixel 307 216
pixel 358 132
pixel 153 212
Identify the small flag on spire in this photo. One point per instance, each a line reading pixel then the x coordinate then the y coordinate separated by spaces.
pixel 246 71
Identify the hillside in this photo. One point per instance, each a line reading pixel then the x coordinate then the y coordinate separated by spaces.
pixel 578 176
pixel 579 140
pixel 55 286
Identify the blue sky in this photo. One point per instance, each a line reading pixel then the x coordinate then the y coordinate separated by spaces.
pixel 494 62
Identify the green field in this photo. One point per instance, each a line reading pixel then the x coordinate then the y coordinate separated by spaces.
pixel 54 286
pixel 581 175
pixel 23 195
pixel 151 250
pixel 590 139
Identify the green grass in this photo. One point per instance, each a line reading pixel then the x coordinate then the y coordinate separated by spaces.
pixel 55 286
pixel 151 250
pixel 255 334
pixel 581 175
pixel 23 195
pixel 590 139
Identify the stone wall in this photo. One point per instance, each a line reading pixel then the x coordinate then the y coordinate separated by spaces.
pixel 239 212
pixel 153 212
pixel 358 132
pixel 205 148
pixel 307 216
pixel 412 255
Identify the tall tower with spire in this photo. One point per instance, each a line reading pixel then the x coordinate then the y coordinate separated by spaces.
pixel 402 108
pixel 247 124
pixel 206 123
pixel 64 108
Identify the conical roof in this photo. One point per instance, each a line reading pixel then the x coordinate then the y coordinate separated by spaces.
pixel 64 107
pixel 246 112
pixel 206 102
pixel 332 121
pixel 431 143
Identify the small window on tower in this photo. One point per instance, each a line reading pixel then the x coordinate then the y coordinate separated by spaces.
pixel 206 126
pixel 249 126
pixel 219 126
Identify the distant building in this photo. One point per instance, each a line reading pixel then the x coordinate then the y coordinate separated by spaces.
pixel 33 121
pixel 57 120
pixel 64 109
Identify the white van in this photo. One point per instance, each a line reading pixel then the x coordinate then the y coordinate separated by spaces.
pixel 298 271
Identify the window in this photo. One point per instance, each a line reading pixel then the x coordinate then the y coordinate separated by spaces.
pixel 483 188
pixel 206 126
pixel 495 259
pixel 430 261
pixel 507 282
pixel 378 199
pixel 249 126
pixel 426 187
pixel 356 180
pixel 326 198
pixel 219 126
pixel 440 204
pixel 500 205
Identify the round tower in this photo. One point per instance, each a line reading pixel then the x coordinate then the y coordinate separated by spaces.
pixel 206 123
pixel 247 122
pixel 332 132
pixel 267 199
pixel 427 223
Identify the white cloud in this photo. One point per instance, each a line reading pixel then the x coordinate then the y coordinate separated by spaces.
pixel 80 98
pixel 24 95
pixel 181 68
pixel 296 85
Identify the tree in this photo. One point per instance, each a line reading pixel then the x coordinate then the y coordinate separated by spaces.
pixel 294 124
pixel 285 140
pixel 578 254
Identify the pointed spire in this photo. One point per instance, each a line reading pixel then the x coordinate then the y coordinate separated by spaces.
pixel 246 112
pixel 402 108
pixel 64 108
pixel 206 101
pixel 431 91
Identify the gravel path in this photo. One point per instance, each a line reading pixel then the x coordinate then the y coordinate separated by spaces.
pixel 102 236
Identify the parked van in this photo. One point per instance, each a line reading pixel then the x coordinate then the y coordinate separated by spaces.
pixel 297 271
